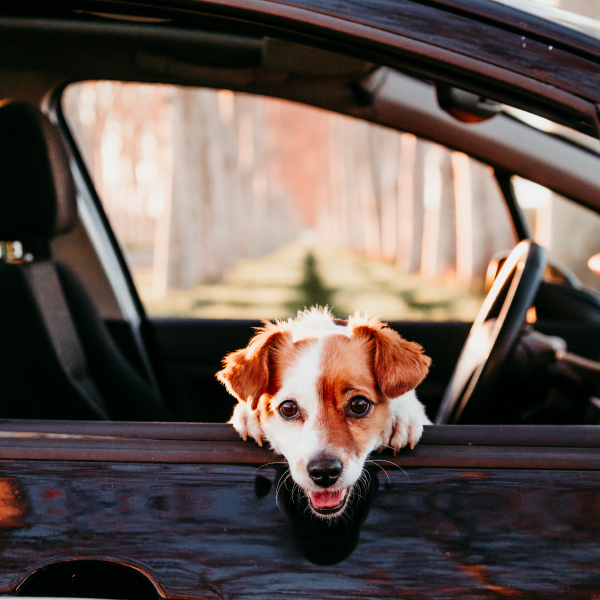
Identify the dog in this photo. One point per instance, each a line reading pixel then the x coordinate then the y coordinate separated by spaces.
pixel 325 393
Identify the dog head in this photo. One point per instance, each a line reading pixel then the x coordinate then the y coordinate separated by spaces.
pixel 320 391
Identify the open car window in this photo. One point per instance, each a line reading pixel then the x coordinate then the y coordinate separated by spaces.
pixel 229 205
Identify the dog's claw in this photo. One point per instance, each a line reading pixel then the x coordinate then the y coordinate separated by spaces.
pixel 406 426
pixel 246 423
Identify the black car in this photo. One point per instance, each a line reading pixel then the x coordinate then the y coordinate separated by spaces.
pixel 175 171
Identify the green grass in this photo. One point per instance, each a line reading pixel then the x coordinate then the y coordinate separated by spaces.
pixel 296 276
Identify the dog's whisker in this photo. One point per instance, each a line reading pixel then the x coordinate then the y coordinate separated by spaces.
pixel 286 481
pixel 365 477
pixel 281 462
pixel 308 512
pixel 382 470
pixel 296 490
pixel 347 516
pixel 285 475
pixel 360 495
pixel 361 486
pixel 375 462
pixel 282 481
pixel 358 486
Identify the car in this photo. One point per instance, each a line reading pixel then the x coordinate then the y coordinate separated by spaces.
pixel 119 475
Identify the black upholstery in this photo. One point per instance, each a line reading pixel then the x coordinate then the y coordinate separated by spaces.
pixel 37 189
pixel 563 303
pixel 58 359
pixel 32 381
pixel 127 396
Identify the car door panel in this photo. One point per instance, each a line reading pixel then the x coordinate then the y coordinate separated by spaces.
pixel 473 512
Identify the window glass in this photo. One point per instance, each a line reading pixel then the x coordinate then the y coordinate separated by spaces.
pixel 229 205
pixel 569 231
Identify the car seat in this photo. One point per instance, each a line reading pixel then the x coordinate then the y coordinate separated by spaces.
pixel 58 360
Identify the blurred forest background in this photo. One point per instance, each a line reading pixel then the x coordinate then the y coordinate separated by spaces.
pixel 234 206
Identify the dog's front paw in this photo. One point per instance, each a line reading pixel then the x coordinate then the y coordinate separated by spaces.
pixel 245 421
pixel 405 426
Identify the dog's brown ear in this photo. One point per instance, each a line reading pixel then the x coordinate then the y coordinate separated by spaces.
pixel 247 372
pixel 399 365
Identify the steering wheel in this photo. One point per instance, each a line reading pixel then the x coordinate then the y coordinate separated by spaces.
pixel 493 336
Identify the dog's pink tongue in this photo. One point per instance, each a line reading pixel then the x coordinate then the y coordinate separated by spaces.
pixel 326 499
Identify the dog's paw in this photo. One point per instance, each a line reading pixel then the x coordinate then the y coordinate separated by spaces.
pixel 405 426
pixel 245 421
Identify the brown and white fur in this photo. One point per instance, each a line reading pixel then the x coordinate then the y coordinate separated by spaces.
pixel 325 369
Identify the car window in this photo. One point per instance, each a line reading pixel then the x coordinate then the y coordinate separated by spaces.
pixel 229 205
pixel 569 231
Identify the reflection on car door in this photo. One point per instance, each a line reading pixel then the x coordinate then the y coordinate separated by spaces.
pixel 471 512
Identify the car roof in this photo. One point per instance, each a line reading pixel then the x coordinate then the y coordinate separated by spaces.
pixel 328 54
pixel 573 15
pixel 478 45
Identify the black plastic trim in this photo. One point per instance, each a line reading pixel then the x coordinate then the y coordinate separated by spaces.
pixel 456 446
pixel 508 191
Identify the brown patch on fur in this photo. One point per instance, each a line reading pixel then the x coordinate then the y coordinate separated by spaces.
pixel 249 373
pixel 347 371
pixel 399 365
pixel 265 408
pixel 258 369
pixel 341 322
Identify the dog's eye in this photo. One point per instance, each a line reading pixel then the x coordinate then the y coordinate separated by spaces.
pixel 288 409
pixel 359 406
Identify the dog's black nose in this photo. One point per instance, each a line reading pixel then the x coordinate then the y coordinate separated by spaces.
pixel 325 471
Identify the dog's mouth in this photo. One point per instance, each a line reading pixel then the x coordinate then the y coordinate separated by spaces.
pixel 328 502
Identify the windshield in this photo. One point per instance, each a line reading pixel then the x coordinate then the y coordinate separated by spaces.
pixel 581 15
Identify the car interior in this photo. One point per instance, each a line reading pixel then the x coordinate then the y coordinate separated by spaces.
pixel 176 171
pixel 79 344
pixel 48 319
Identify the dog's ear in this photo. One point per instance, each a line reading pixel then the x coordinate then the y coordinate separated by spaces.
pixel 247 372
pixel 399 365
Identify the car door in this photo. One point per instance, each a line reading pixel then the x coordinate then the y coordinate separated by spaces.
pixel 187 510
pixel 192 512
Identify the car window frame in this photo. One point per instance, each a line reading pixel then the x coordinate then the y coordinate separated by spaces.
pixel 448 135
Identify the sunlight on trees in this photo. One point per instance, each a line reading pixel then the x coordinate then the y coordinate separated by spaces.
pixel 229 205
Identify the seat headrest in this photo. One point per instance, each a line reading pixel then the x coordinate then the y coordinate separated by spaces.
pixel 37 197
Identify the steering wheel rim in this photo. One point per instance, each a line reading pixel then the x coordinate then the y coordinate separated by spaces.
pixel 492 338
